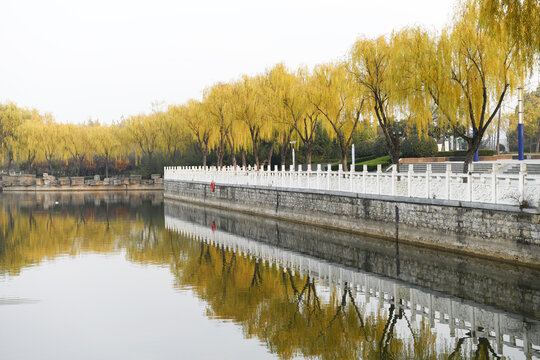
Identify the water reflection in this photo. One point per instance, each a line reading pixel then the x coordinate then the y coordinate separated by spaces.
pixel 279 282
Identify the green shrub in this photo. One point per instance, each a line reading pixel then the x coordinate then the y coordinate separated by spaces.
pixel 364 148
pixel 415 146
pixel 380 148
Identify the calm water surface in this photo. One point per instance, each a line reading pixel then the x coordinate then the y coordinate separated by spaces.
pixel 130 276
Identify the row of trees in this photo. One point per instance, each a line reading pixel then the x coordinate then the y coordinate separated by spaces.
pixel 404 84
pixel 29 138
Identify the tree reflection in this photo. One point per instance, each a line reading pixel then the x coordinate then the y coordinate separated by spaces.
pixel 293 313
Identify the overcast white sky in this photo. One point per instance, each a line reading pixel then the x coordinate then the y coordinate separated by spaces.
pixel 102 59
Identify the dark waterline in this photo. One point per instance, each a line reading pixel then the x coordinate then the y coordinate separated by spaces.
pixel 122 275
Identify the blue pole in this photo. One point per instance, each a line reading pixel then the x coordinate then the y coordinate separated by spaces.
pixel 521 139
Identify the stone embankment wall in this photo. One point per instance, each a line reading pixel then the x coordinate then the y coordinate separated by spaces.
pixel 487 230
pixel 28 182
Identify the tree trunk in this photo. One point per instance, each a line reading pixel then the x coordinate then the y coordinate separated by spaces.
pixel 344 152
pixel 443 147
pixel 204 154
pixel 107 167
pixel 220 155
pixel 270 153
pixel 474 144
pixel 283 149
pixel 394 155
pixel 243 155
pixel 79 167
pixel 344 161
pixel 49 164
pixel 256 151
pixel 10 160
pixel 393 142
pixel 309 150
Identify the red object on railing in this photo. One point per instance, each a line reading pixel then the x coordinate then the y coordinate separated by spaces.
pixel 212 186
pixel 213 226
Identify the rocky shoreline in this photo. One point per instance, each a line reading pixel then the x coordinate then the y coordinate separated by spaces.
pixel 30 182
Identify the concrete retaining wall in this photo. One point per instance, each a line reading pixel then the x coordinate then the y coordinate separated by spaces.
pixel 487 230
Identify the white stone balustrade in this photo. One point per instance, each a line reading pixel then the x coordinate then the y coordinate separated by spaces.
pixel 492 187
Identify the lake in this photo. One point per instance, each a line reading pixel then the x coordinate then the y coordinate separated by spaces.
pixel 131 275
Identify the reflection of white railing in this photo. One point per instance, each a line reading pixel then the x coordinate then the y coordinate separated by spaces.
pixel 499 327
pixel 493 187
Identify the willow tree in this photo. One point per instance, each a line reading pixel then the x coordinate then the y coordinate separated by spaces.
pixel 467 71
pixel 11 117
pixel 215 100
pixel 76 143
pixel 141 133
pixel 105 143
pixel 339 101
pixel 383 69
pixel 26 145
pixel 307 123
pixel 283 105
pixel 49 141
pixel 198 123
pixel 248 101
pixel 235 130
pixel 172 137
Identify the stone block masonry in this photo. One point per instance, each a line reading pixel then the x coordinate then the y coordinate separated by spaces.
pixel 488 230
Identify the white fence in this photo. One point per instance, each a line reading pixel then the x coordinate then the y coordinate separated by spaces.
pixel 493 187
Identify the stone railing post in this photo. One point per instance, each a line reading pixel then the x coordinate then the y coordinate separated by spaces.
pixel 494 173
pixel 269 175
pixel 469 182
pixel 329 175
pixel 340 174
pixel 291 174
pixel 394 171
pixel 364 178
pixel 428 181
pixel 379 171
pixel 409 179
pixel 521 185
pixel 447 183
pixel 318 176
pixel 308 175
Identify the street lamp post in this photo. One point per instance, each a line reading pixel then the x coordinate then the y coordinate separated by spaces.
pixel 292 146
